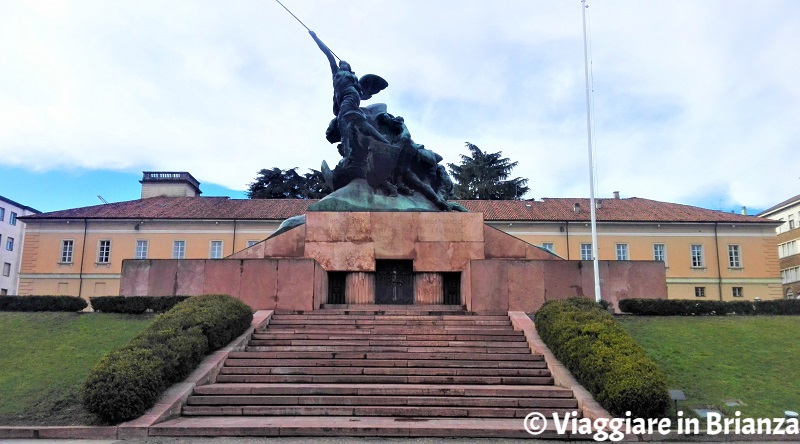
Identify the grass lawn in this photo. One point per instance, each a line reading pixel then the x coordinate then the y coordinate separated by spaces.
pixel 45 357
pixel 755 359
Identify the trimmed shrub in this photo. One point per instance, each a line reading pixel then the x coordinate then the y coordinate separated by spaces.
pixel 221 318
pixel 678 307
pixel 160 304
pixel 42 303
pixel 135 304
pixel 603 357
pixel 124 384
pixel 129 381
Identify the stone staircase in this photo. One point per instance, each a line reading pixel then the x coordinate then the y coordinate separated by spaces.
pixel 368 367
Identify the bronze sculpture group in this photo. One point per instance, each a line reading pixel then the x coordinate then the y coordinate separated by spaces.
pixel 377 146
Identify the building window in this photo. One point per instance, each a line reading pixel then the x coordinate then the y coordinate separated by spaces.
pixel 3 291
pixel 660 252
pixel 12 218
pixel 6 269
pixel 700 292
pixel 179 249
pixel 2 214
pixel 738 292
pixel 549 247
pixel 215 252
pixel 250 243
pixel 10 244
pixel 734 257
pixel 104 252
pixel 586 252
pixel 789 275
pixel 67 247
pixel 698 261
pixel 622 252
pixel 141 249
pixel 791 221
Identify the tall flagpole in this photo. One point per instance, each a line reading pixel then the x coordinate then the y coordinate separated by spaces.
pixel 597 296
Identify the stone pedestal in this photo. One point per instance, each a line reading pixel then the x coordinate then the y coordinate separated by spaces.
pixel 428 289
pixel 359 288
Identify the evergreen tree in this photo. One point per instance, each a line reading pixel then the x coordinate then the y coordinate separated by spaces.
pixel 276 183
pixel 483 176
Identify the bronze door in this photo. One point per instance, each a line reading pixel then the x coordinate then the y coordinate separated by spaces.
pixel 394 282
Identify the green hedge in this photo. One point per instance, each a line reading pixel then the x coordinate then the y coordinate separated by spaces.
pixel 42 303
pixel 603 357
pixel 682 307
pixel 127 382
pixel 135 304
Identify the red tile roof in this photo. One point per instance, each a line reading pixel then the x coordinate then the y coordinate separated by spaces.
pixel 632 209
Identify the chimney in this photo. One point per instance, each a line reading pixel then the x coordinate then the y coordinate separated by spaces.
pixel 616 194
pixel 169 184
pixel 744 211
pixel 576 208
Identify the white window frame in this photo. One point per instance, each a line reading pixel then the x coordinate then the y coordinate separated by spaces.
pixel 6 269
pixel 734 256
pixel 586 252
pixel 250 243
pixel 9 243
pixel 662 253
pixel 698 259
pixel 737 292
pixel 142 249
pixel 622 252
pixel 67 254
pixel 2 214
pixel 104 251
pixel 699 292
pixel 179 249
pixel 549 246
pixel 12 218
pixel 215 249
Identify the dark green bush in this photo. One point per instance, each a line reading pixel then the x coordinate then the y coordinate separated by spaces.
pixel 160 304
pixel 164 353
pixel 221 318
pixel 135 304
pixel 42 303
pixel 124 384
pixel 603 357
pixel 683 307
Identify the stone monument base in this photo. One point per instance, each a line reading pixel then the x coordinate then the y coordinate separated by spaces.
pixel 411 258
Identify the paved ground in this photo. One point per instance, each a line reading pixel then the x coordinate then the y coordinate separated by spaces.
pixel 291 441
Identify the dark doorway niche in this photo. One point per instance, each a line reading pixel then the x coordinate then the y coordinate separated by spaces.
pixel 394 282
pixel 451 286
pixel 336 285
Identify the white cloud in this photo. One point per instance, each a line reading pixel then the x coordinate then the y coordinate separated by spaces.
pixel 693 100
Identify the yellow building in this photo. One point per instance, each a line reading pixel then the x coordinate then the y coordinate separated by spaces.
pixel 787 214
pixel 708 254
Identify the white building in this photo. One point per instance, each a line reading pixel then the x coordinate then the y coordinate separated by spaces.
pixel 788 213
pixel 11 237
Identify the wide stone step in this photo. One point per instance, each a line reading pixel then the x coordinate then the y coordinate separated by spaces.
pixel 258 346
pixel 423 401
pixel 241 361
pixel 395 411
pixel 263 340
pixel 457 390
pixel 443 371
pixel 450 330
pixel 367 335
pixel 386 379
pixel 448 317
pixel 382 355
pixel 372 426
pixel 398 321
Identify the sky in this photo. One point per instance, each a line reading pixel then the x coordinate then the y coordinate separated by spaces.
pixel 694 102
